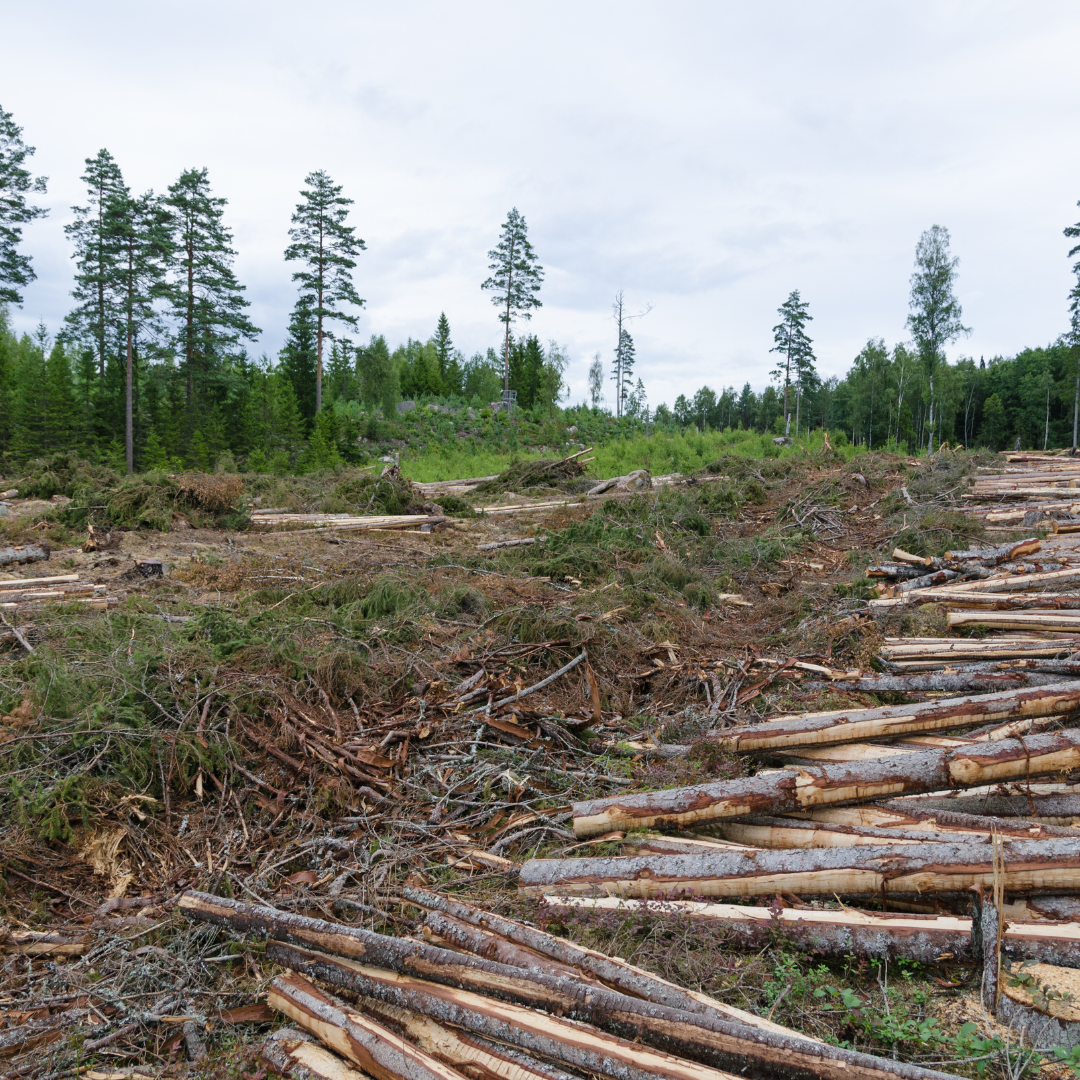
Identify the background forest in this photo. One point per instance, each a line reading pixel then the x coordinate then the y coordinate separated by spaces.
pixel 151 368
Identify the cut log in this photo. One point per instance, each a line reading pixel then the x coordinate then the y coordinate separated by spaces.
pixel 477 1057
pixel 889 721
pixel 993 601
pixel 871 934
pixel 1029 801
pixel 43 943
pixel 376 1049
pixel 919 560
pixel 1018 582
pixel 1030 866
pixel 1005 648
pixel 924 581
pixel 30 553
pixel 295 1054
pixel 710 1043
pixel 895 570
pixel 40 582
pixel 801 788
pixel 1000 554
pixel 1021 620
pixel 1041 1000
pixel 945 682
pixel 442 965
pixel 774 832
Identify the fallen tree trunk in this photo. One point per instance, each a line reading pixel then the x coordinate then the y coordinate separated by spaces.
pixel 890 721
pixel 440 965
pixel 29 553
pixel 949 682
pixel 949 649
pixel 377 1050
pixel 1030 866
pixel 787 790
pixel 1001 803
pixel 987 601
pixel 1018 582
pixel 750 1051
pixel 871 934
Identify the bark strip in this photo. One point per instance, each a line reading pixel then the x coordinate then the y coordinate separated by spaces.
pixel 788 790
pixel 293 1053
pixel 709 1042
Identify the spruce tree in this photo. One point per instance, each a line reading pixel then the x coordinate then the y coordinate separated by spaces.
pixel 516 277
pixel 207 301
pixel 15 181
pixel 299 359
pixel 791 341
pixel 139 228
pixel 444 347
pixel 378 375
pixel 97 257
pixel 327 246
pixel 934 321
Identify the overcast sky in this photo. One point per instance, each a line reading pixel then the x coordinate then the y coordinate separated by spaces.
pixel 706 158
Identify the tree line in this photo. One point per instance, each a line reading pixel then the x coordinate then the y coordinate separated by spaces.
pixel 151 365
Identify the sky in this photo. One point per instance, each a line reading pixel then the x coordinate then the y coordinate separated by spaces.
pixel 703 158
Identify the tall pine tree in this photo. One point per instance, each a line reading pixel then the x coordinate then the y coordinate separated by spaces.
pixel 206 299
pixel 791 341
pixel 15 211
pixel 97 257
pixel 516 277
pixel 139 228
pixel 327 246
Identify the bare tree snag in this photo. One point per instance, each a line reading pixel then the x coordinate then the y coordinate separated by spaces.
pixel 452 920
pixel 890 721
pixel 702 1039
pixel 1030 866
pixel 788 790
pixel 377 1050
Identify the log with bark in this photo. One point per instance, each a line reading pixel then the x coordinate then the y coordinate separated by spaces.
pixel 775 832
pixel 27 554
pixel 955 599
pixel 497 938
pixel 890 721
pixel 1040 801
pixel 703 1040
pixel 295 1054
pixel 1021 620
pixel 870 934
pixel 945 650
pixel 441 965
pixel 477 1057
pixel 1030 867
pixel 377 1050
pixel 992 556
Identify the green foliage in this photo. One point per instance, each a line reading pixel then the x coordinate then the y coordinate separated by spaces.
pixel 15 182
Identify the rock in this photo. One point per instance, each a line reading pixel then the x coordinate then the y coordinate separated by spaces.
pixel 406 406
pixel 638 480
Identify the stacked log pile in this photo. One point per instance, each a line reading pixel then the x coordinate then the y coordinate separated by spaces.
pixel 487 996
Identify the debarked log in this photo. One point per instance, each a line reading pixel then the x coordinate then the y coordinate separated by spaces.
pixel 453 919
pixel 708 1042
pixel 442 965
pixel 1030 866
pixel 376 1049
pixel 890 721
pixel 786 790
pixel 870 934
